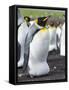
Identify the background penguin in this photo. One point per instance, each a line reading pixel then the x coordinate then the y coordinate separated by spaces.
pixel 59 31
pixel 39 51
pixel 62 41
pixel 58 35
pixel 22 32
pixel 20 21
pixel 20 18
pixel 27 19
pixel 52 34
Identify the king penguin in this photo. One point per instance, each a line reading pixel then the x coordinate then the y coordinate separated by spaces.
pixel 59 31
pixel 39 51
pixel 33 29
pixel 62 41
pixel 22 32
pixel 25 35
pixel 52 34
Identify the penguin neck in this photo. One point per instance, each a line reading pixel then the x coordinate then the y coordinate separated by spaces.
pixel 43 29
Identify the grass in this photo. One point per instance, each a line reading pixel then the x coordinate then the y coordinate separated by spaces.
pixel 40 12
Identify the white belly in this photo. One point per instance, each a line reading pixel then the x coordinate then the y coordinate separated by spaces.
pixel 52 40
pixel 22 32
pixel 62 44
pixel 58 35
pixel 38 54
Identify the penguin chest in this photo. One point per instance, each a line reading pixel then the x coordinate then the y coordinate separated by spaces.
pixel 38 54
pixel 22 32
pixel 52 39
pixel 62 41
pixel 58 32
pixel 39 45
pixel 58 36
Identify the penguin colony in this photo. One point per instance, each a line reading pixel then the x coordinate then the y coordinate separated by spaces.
pixel 36 38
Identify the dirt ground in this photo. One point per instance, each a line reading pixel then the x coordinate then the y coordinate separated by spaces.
pixel 57 66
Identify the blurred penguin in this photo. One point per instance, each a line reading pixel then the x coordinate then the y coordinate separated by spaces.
pixel 22 32
pixel 52 34
pixel 59 31
pixel 62 41
pixel 27 19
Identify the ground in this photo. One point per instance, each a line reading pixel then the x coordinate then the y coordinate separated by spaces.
pixel 57 66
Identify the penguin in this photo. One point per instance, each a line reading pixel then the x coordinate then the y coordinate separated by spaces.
pixel 38 54
pixel 20 18
pixel 59 31
pixel 25 32
pixel 38 51
pixel 22 32
pixel 58 36
pixel 52 34
pixel 33 29
pixel 62 41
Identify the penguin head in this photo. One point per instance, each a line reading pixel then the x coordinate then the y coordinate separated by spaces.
pixel 42 21
pixel 27 18
pixel 61 22
pixel 50 21
pixel 56 22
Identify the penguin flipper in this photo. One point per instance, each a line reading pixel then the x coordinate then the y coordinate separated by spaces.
pixel 19 51
pixel 26 53
pixel 28 40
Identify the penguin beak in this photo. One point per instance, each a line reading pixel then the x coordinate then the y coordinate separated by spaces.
pixel 45 19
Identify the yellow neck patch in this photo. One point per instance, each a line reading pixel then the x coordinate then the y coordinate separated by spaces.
pixel 43 30
pixel 36 20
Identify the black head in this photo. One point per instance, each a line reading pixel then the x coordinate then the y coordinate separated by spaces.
pixel 27 18
pixel 42 21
